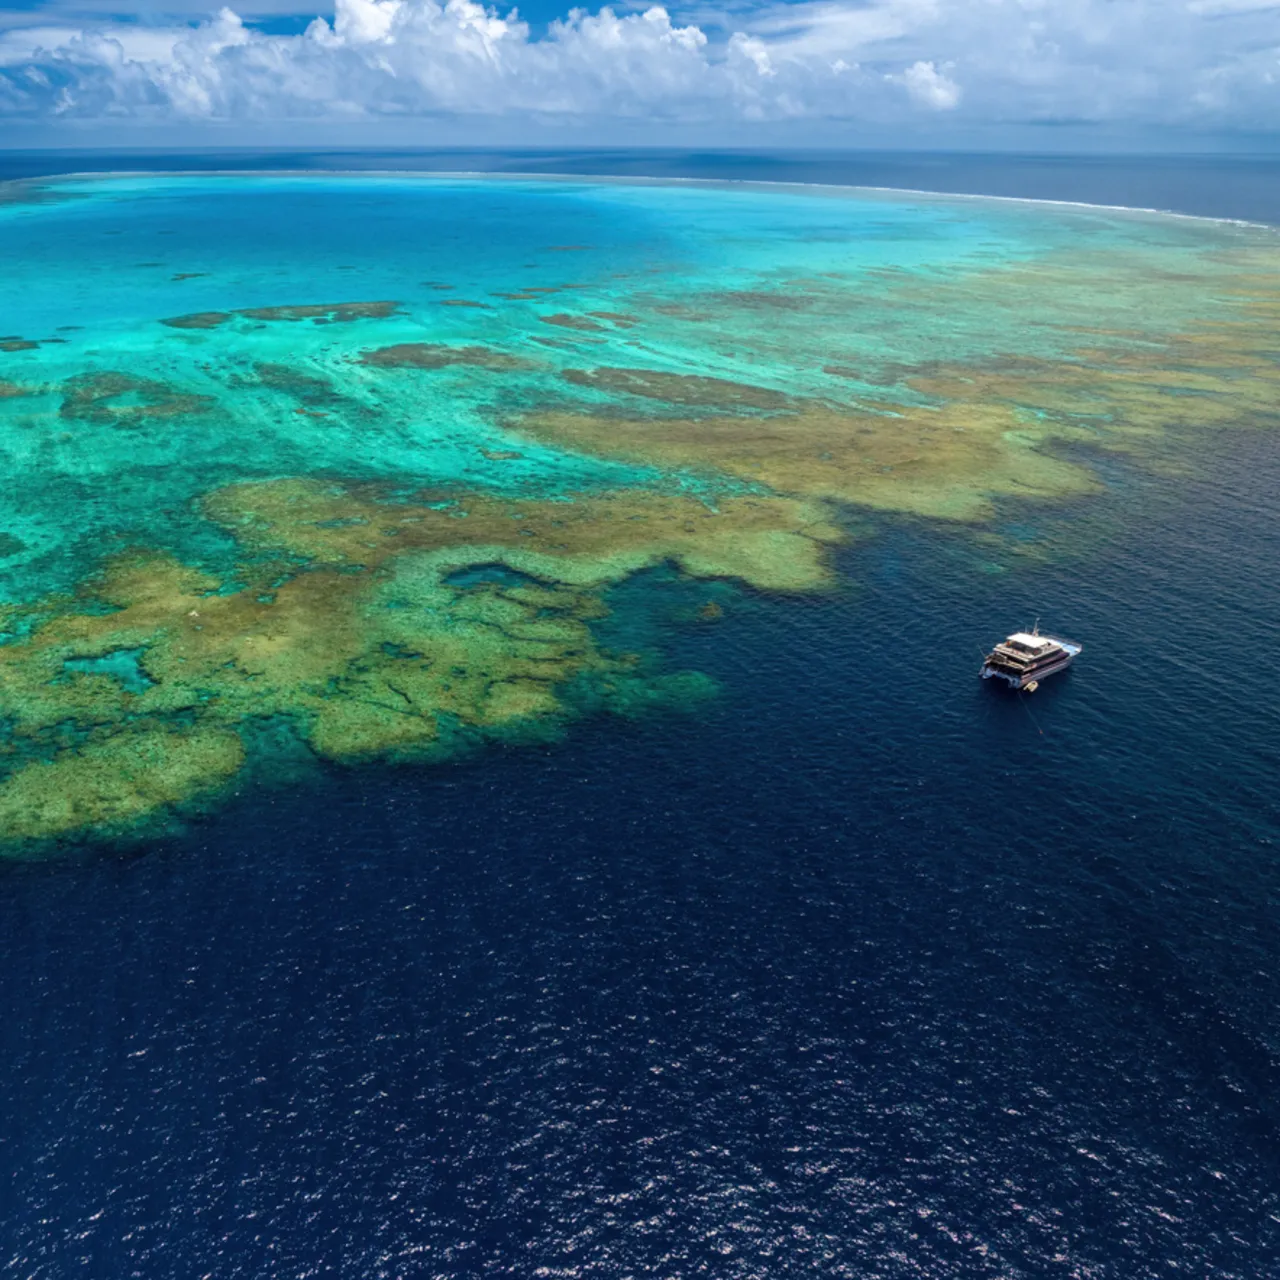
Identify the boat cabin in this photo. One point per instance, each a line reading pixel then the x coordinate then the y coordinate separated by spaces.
pixel 1025 644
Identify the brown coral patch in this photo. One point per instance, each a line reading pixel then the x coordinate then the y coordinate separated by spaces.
pixel 683 389
pixel 362 664
pixel 295 382
pixel 18 344
pixel 438 355
pixel 946 463
pixel 199 320
pixel 318 313
pixel 111 785
pixel 762 300
pixel 325 313
pixel 565 321
pixel 562 344
pixel 617 318
pixel 18 191
pixel 955 436
pixel 678 311
pixel 531 293
pixel 121 398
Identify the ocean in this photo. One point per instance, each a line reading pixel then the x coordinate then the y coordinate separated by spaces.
pixel 807 953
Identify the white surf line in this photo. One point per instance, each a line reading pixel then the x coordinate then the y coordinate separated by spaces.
pixel 608 179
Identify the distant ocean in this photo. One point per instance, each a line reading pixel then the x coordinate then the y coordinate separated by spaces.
pixel 858 969
pixel 1212 186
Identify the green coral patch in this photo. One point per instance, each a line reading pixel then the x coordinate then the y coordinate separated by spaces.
pixel 772 543
pixel 110 786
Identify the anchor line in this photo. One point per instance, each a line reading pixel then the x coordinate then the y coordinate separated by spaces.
pixel 1022 700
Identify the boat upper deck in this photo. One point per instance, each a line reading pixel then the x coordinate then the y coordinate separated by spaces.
pixel 1027 646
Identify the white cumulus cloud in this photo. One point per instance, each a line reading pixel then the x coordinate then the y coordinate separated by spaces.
pixel 931 87
pixel 1214 63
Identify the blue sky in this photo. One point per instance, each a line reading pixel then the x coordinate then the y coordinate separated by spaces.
pixel 816 72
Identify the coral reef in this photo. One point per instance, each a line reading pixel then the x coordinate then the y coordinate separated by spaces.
pixel 199 320
pixel 945 439
pixel 945 462
pixel 333 553
pixel 318 313
pixel 683 389
pixel 324 313
pixel 121 398
pixel 110 786
pixel 303 386
pixel 583 539
pixel 376 627
pixel 439 355
pixel 566 321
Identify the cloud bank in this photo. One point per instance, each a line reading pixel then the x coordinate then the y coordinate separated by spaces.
pixel 1205 63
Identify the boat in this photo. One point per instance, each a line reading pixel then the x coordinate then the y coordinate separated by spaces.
pixel 1026 657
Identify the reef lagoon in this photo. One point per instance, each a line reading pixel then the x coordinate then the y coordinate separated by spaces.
pixel 494 779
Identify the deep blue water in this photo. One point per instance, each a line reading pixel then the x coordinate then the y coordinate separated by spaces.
pixel 845 975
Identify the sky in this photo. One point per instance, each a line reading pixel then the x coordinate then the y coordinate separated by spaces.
pixel 736 72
